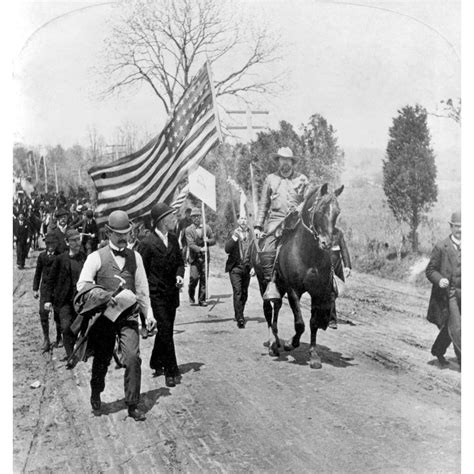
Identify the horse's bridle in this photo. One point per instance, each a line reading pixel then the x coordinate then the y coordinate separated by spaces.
pixel 311 229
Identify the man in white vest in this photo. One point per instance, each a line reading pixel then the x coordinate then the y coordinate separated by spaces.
pixel 102 267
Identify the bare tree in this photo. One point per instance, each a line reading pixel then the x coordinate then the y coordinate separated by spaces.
pixel 449 109
pixel 162 43
pixel 96 146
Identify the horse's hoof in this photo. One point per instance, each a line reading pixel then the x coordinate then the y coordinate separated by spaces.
pixel 315 364
pixel 273 350
pixel 287 347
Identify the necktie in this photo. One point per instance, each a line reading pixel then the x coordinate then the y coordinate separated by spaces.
pixel 118 253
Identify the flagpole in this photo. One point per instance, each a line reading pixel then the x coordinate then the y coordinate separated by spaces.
pixel 204 235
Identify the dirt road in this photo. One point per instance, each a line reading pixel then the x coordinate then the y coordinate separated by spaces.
pixel 379 404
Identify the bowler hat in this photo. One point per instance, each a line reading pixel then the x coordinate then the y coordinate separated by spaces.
pixel 61 212
pixel 118 222
pixel 50 239
pixel 284 152
pixel 455 218
pixel 160 210
pixel 195 211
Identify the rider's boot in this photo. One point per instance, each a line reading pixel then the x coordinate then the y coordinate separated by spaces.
pixel 46 341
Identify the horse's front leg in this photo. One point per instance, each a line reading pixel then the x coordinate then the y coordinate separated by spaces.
pixel 271 315
pixel 314 359
pixel 294 300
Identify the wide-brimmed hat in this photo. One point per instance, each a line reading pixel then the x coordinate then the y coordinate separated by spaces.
pixel 195 211
pixel 284 152
pixel 118 222
pixel 160 210
pixel 455 218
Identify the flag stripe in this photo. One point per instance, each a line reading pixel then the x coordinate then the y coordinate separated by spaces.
pixel 142 181
pixel 136 182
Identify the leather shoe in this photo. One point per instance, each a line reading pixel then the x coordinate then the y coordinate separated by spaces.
pixel 192 300
pixel 96 403
pixel 332 324
pixel 169 381
pixel 442 360
pixel 135 413
pixel 203 303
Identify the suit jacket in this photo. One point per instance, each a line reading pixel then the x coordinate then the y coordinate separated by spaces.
pixel 445 262
pixel 62 279
pixel 234 250
pixel 21 231
pixel 195 242
pixel 162 266
pixel 43 268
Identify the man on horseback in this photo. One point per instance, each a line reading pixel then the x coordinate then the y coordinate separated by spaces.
pixel 282 194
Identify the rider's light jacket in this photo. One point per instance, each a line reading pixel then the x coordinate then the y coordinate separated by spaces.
pixel 279 197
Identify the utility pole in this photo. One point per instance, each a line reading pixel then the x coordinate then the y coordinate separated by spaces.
pixel 45 175
pixel 250 128
pixel 56 178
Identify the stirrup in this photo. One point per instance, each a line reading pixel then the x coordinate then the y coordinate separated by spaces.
pixel 271 292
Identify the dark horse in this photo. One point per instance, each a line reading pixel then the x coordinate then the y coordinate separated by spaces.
pixel 304 265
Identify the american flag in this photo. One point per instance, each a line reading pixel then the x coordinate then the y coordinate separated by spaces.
pixel 136 182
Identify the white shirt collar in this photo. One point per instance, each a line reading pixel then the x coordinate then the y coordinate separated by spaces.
pixel 163 237
pixel 456 241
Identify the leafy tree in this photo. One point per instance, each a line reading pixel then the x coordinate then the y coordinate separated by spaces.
pixel 323 159
pixel 161 43
pixel 409 171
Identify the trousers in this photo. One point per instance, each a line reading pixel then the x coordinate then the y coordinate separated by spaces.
pixel 197 274
pixel 66 317
pixel 240 280
pixel 102 341
pixel 163 355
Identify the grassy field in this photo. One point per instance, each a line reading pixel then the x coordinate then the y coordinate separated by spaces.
pixel 372 233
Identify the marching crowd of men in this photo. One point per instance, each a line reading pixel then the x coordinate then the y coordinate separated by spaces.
pixel 130 276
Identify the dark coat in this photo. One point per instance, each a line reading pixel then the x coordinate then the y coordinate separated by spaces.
pixel 62 279
pixel 234 250
pixel 43 268
pixel 445 262
pixel 21 231
pixel 162 266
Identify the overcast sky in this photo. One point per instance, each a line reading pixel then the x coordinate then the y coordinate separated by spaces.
pixel 355 63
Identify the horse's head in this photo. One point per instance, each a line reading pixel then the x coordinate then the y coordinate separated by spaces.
pixel 320 212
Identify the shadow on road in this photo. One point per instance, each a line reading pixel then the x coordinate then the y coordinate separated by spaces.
pixel 147 401
pixel 214 318
pixel 190 367
pixel 300 356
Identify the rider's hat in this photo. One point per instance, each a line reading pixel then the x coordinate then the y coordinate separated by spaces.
pixel 284 152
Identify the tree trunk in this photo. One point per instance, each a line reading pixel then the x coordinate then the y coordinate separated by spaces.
pixel 415 221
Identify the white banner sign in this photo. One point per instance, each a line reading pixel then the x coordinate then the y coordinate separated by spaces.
pixel 203 185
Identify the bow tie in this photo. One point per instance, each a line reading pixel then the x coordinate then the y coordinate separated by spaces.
pixel 118 253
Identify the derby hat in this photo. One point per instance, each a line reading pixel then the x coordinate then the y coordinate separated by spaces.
pixel 118 222
pixel 160 210
pixel 455 218
pixel 61 212
pixel 284 152
pixel 195 211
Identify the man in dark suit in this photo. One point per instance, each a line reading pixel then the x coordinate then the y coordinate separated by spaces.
pixel 238 266
pixel 21 233
pixel 341 262
pixel 164 267
pixel 197 272
pixel 58 229
pixel 443 270
pixel 43 267
pixel 61 286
